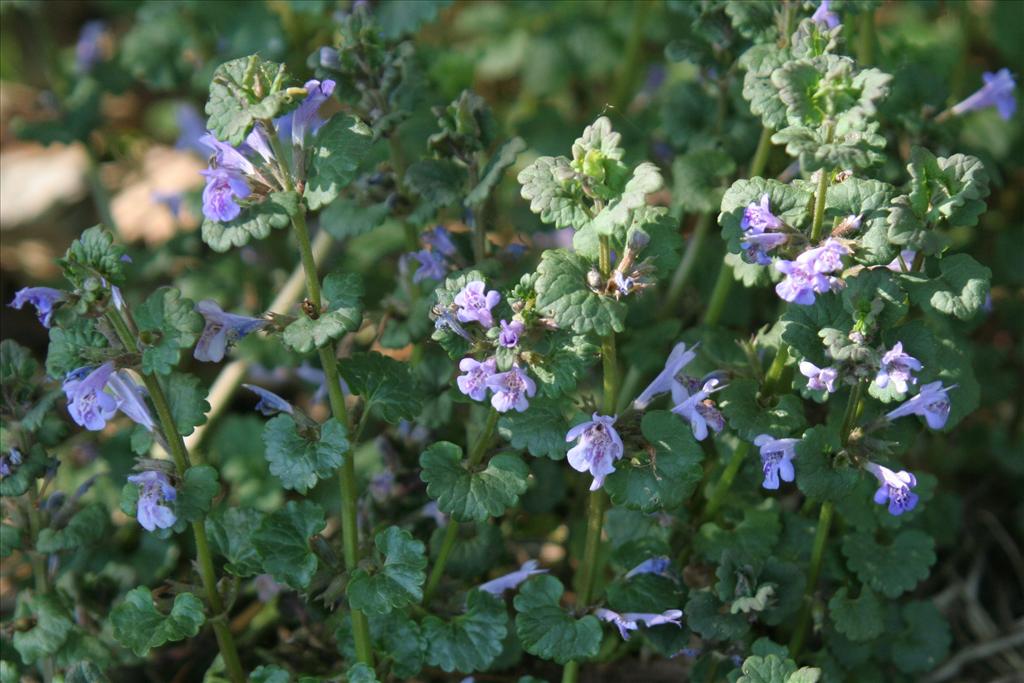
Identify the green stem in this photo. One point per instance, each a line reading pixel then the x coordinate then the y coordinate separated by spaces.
pixel 451 532
pixel 866 44
pixel 627 76
pixel 796 643
pixel 99 192
pixel 347 472
pixel 819 205
pixel 686 264
pixel 773 379
pixel 204 558
pixel 720 294
pixel 589 565
pixel 726 480
pixel 853 407
pixel 39 574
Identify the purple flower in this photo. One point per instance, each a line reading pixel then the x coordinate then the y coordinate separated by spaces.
pixel 227 157
pixel 266 587
pixel 221 329
pixel 511 389
pixel 631 621
pixel 446 319
pixel 42 298
pixel 88 404
pixel 476 304
pixel 701 413
pixel 258 141
pixel 432 266
pixel 823 17
pixel 895 488
pixel 171 200
pixel 329 58
pixel 270 403
pixel 154 490
pixel 624 285
pixel 131 399
pixel 9 461
pixel 439 240
pixel 655 565
pixel 223 187
pixel 382 485
pixel 305 117
pixel 191 128
pixel 776 459
pixel 597 449
pixel 819 379
pixel 758 218
pixel 827 258
pixel 801 283
pixel 668 378
pixel 433 512
pixel 509 335
pixel 931 403
pixel 511 580
pixel 907 256
pixel 474 382
pixel 89 48
pixel 997 92
pixel 897 367
pixel 757 245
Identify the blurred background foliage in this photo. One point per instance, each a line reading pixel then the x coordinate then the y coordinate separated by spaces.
pixel 117 144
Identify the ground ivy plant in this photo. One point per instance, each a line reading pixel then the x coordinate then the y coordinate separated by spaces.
pixel 516 464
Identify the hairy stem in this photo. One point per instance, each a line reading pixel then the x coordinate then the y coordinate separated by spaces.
pixel 819 205
pixel 589 565
pixel 773 380
pixel 796 643
pixel 720 294
pixel 99 192
pixel 451 532
pixel 347 472
pixel 204 558
pixel 866 39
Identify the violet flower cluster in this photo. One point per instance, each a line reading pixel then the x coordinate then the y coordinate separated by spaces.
pixel 631 621
pixel 512 389
pixel 598 447
pixel 155 491
pixel 221 330
pixel 432 260
pixel 809 273
pixel 690 395
pixel 95 395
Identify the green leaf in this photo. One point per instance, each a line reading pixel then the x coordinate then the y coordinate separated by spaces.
pixel 559 360
pixel 707 616
pixel 345 218
pixel 801 324
pixel 502 159
pixel 472 496
pixel 34 465
pixel 85 672
pixel 71 346
pixel 851 148
pixel 438 182
pixel 859 618
pixel 776 669
pixel 870 200
pixel 667 478
pixel 167 323
pixel 750 415
pixel 343 313
pixel 188 402
pixel 139 626
pixel 243 91
pixel 479 548
pixel 386 385
pixel 282 542
pixel 254 223
pixel 468 642
pixel 960 289
pixel 750 541
pixel 546 185
pixel 51 626
pixel 361 673
pixel 95 252
pixel 760 61
pixel 399 580
pixel 341 146
pixel 790 203
pixel 539 430
pixel 698 177
pixel 875 294
pixel 563 294
pixel 924 642
pixel 546 630
pixel 195 495
pixel 231 530
pixel 17 366
pixel 269 674
pixel 83 530
pixel 10 539
pixel 300 459
pixel 400 637
pixel 819 474
pixel 891 569
pixel 397 18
